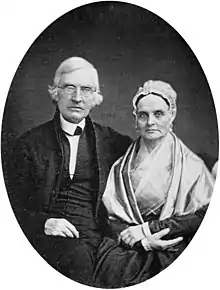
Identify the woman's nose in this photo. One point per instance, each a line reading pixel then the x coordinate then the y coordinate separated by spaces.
pixel 151 120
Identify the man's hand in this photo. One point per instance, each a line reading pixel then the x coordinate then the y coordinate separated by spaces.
pixel 154 242
pixel 131 235
pixel 60 227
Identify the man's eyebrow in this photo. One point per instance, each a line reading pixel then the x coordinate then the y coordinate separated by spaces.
pixel 68 84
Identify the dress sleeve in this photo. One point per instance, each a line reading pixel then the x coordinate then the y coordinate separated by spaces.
pixel 185 225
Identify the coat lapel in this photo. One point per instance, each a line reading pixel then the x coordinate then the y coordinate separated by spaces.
pixel 100 157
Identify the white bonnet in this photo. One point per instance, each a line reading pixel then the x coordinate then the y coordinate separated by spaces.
pixel 158 88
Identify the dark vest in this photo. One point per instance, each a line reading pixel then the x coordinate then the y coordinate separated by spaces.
pixel 77 196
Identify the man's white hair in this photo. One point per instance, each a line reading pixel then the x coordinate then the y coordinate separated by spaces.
pixel 70 65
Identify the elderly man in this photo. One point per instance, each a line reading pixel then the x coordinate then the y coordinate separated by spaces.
pixel 58 173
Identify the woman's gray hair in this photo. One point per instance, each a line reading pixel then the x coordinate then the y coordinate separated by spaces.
pixel 159 88
pixel 72 64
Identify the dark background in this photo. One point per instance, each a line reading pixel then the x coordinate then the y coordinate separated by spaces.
pixel 128 45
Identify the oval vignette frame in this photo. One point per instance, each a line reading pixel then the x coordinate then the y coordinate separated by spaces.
pixel 197 233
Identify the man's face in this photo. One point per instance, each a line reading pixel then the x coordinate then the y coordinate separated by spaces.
pixel 75 97
pixel 153 117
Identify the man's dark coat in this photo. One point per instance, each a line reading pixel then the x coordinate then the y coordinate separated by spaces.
pixel 34 171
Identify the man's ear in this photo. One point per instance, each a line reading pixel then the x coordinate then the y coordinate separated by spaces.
pixel 54 97
pixel 53 94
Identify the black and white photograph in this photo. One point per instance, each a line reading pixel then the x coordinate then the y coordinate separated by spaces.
pixel 109 149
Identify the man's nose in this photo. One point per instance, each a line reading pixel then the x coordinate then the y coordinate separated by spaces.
pixel 77 97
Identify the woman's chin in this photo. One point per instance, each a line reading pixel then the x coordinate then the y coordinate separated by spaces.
pixel 152 135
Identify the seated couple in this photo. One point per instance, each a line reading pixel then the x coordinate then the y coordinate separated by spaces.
pixel 100 209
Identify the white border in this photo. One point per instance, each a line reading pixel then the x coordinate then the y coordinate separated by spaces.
pixel 20 23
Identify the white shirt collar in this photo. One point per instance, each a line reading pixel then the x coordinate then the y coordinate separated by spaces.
pixel 70 127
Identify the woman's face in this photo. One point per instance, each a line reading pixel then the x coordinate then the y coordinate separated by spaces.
pixel 154 117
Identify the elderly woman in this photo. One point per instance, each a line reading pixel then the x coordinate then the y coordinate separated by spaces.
pixel 156 195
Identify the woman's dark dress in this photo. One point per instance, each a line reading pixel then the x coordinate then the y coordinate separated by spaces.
pixel 119 266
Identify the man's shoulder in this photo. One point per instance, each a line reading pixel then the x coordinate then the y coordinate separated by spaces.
pixel 114 142
pixel 107 132
pixel 37 134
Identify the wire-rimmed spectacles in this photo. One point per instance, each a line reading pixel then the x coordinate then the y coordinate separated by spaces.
pixel 71 90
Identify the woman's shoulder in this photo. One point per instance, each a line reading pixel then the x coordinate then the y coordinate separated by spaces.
pixel 190 156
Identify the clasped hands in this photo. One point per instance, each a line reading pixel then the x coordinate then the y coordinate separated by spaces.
pixel 134 234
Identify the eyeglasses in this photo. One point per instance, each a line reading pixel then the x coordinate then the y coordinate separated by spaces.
pixel 71 90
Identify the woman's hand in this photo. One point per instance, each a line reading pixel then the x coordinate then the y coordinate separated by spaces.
pixel 154 242
pixel 132 235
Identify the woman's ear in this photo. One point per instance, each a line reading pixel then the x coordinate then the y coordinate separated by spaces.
pixel 173 116
pixel 135 122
